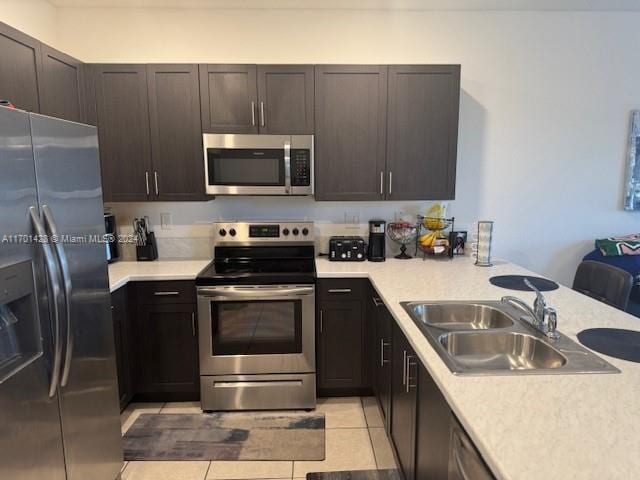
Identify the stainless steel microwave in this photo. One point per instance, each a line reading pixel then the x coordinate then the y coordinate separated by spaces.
pixel 258 164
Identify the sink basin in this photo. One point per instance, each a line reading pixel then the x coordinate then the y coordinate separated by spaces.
pixel 500 351
pixel 460 316
pixel 495 338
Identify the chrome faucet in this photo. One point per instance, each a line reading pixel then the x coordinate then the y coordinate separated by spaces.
pixel 543 317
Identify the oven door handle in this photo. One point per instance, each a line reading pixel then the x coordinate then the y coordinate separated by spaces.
pixel 252 292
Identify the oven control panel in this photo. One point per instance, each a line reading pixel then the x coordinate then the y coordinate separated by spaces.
pixel 291 232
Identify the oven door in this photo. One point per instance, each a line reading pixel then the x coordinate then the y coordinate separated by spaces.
pixel 247 164
pixel 264 329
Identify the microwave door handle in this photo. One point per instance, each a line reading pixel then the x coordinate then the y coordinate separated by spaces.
pixel 287 167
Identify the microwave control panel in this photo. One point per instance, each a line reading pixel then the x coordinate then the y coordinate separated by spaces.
pixel 300 167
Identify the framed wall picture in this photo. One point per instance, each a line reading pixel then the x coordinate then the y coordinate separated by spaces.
pixel 632 190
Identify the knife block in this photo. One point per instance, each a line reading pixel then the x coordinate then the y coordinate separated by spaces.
pixel 149 251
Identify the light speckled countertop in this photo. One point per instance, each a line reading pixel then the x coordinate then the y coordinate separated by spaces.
pixel 123 271
pixel 531 426
pixel 526 427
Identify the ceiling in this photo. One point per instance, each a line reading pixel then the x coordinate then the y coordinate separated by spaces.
pixel 546 5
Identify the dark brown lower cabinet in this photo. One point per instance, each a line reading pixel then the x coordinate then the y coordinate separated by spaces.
pixel 339 345
pixel 433 430
pixel 122 340
pixel 382 355
pixel 167 342
pixel 404 398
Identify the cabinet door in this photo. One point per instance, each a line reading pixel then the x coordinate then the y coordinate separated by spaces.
pixel 168 355
pixel 403 402
pixel 285 99
pixel 61 85
pixel 433 423
pixel 350 126
pixel 123 130
pixel 20 68
pixel 340 345
pixel 176 136
pixel 229 96
pixel 121 333
pixel 422 132
pixel 384 354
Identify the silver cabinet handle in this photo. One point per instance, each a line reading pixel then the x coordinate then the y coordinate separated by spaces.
pixel 193 323
pixel 52 274
pixel 381 183
pixel 377 302
pixel 390 182
pixel 339 290
pixel 165 294
pixel 321 321
pixel 410 364
pixel 382 345
pixel 262 114
pixel 253 114
pixel 155 178
pixel 146 180
pixel 404 367
pixel 67 288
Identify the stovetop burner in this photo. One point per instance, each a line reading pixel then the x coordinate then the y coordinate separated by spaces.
pixel 261 253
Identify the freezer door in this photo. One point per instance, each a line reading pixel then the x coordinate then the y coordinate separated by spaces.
pixel 31 441
pixel 67 169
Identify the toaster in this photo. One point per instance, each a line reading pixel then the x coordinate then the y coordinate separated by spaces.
pixel 347 249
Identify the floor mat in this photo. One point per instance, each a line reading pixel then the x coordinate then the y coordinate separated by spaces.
pixel 226 436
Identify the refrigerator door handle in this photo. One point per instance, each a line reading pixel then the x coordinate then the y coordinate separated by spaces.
pixel 52 274
pixel 66 279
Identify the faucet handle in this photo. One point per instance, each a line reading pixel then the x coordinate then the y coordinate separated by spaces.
pixel 540 303
pixel 551 323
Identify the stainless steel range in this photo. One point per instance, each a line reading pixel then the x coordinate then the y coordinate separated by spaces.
pixel 256 318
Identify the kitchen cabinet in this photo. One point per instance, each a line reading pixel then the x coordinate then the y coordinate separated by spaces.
pixel 465 461
pixel 404 397
pixel 382 356
pixel 61 85
pixel 433 429
pixel 167 342
pixel 285 99
pixel 422 132
pixel 20 68
pixel 123 129
pixel 350 136
pixel 122 340
pixel 229 97
pixel 341 333
pixel 176 134
pixel 270 99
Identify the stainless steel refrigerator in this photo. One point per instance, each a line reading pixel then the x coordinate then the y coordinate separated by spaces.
pixel 59 415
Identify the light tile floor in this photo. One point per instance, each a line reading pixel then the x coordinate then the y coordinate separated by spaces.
pixel 355 440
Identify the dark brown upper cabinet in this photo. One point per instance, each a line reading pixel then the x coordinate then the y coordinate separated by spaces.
pixel 229 98
pixel 20 68
pixel 350 131
pixel 271 99
pixel 285 99
pixel 123 129
pixel 422 132
pixel 176 134
pixel 61 88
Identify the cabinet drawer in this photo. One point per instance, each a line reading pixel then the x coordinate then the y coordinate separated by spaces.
pixel 176 291
pixel 337 289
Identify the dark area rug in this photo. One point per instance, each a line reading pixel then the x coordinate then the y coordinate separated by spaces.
pixel 356 475
pixel 226 436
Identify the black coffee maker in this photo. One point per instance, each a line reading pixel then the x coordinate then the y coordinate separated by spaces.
pixel 377 229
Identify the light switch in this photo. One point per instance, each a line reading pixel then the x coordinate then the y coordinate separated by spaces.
pixel 165 221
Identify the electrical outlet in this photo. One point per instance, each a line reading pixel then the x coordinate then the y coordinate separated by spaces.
pixel 165 221
pixel 351 217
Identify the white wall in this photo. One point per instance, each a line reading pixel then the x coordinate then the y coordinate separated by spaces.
pixel 37 18
pixel 544 107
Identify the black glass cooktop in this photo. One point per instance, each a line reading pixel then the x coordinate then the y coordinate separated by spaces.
pixel 259 266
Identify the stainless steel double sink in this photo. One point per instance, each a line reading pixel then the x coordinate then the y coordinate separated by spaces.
pixel 495 338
